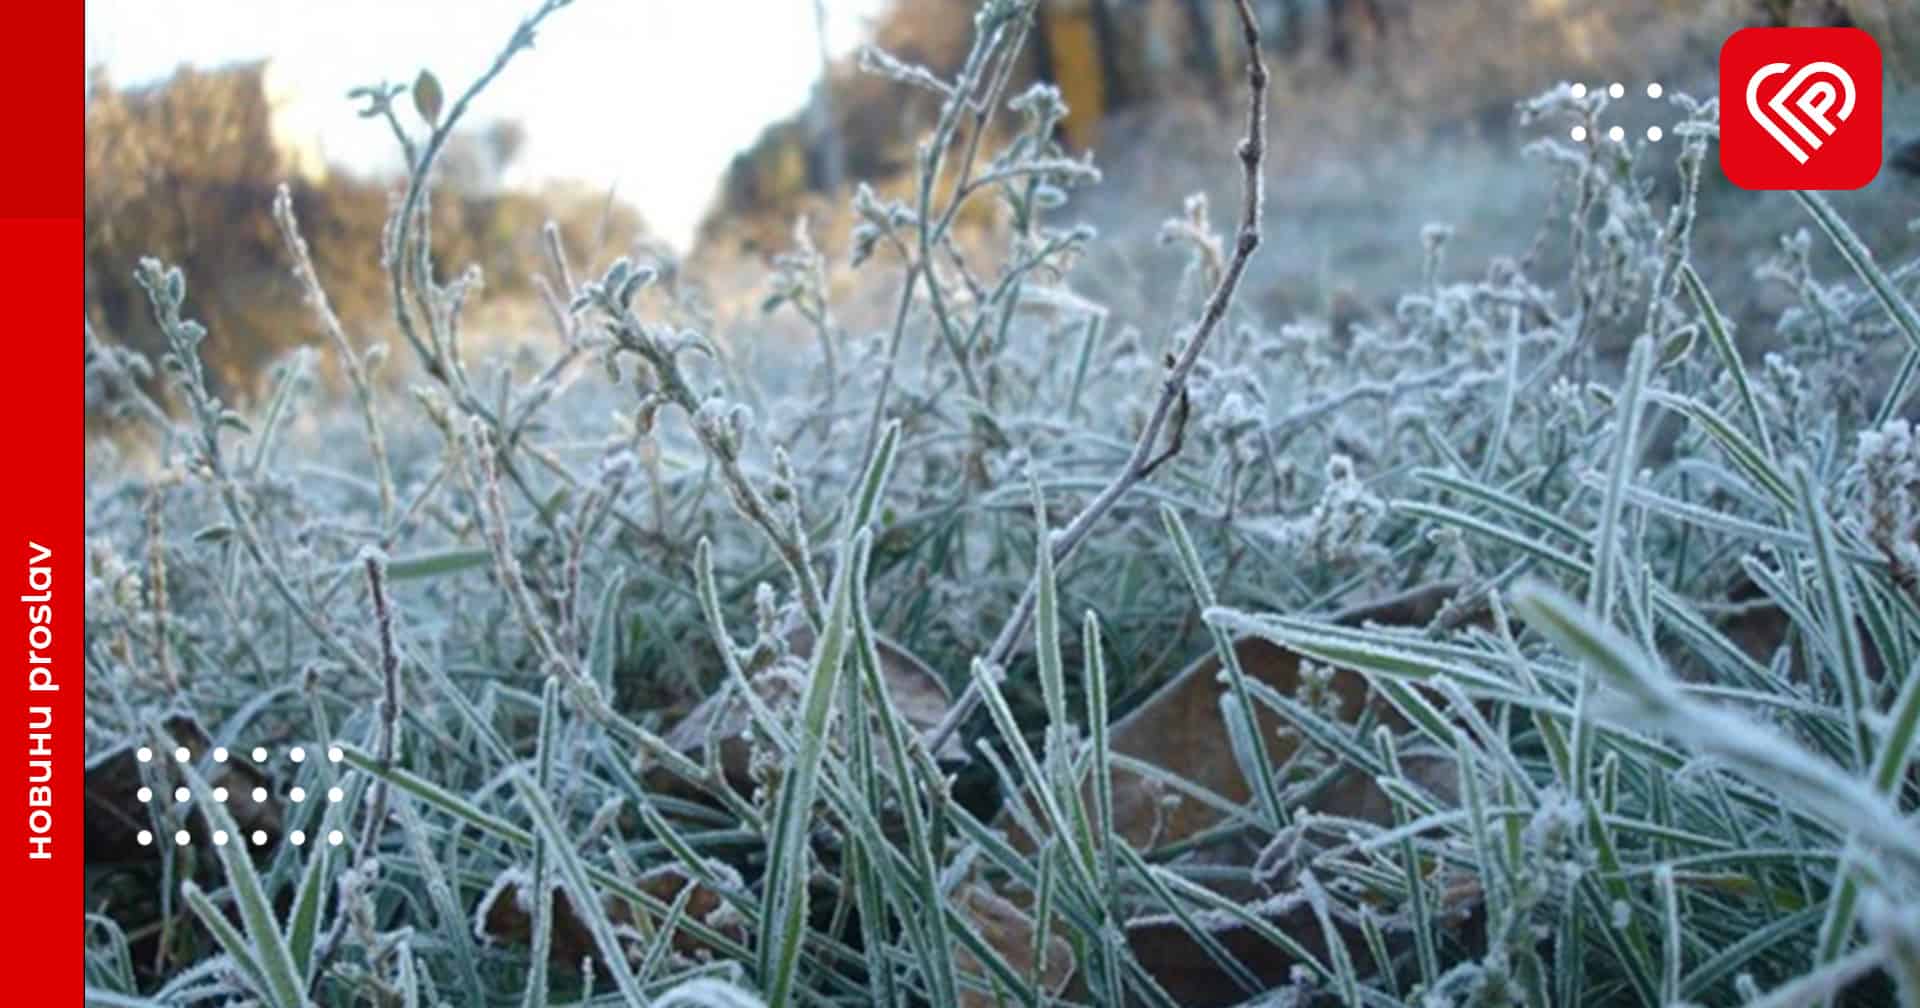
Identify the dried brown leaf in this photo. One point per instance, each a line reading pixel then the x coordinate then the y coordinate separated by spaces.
pixel 115 814
pixel 1181 730
pixel 1009 930
pixel 723 718
pixel 1182 967
pixel 506 915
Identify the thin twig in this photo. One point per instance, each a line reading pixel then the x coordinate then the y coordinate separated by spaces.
pixel 353 362
pixel 411 204
pixel 787 538
pixel 987 44
pixel 157 595
pixel 1173 391
pixel 376 567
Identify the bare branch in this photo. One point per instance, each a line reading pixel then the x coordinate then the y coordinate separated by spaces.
pixel 389 714
pixel 1143 459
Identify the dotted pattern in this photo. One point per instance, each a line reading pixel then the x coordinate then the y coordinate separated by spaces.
pixel 260 755
pixel 297 754
pixel 1617 90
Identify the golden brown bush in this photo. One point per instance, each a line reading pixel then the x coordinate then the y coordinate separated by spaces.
pixel 185 171
pixel 1104 55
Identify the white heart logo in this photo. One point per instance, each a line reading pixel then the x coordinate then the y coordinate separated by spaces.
pixel 1814 102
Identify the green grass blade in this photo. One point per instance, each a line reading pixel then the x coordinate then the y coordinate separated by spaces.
pixel 784 909
pixel 282 976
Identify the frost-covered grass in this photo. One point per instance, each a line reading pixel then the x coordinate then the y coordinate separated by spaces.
pixel 1673 684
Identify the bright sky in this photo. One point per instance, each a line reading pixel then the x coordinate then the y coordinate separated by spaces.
pixel 654 96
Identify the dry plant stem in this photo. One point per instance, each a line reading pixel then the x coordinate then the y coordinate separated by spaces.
pixel 409 254
pixel 416 190
pixel 753 505
pixel 930 178
pixel 824 325
pixel 542 391
pixel 920 265
pixel 384 745
pixel 1142 460
pixel 277 578
pixel 157 588
pixel 137 397
pixel 483 482
pixel 965 183
pixel 547 384
pixel 1382 391
pixel 353 362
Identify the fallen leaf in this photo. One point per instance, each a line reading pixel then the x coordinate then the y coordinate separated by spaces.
pixel 115 814
pixel 505 915
pixel 724 719
pixel 1184 969
pixel 1009 930
pixel 1181 730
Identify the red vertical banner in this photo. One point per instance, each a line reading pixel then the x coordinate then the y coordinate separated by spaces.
pixel 42 551
pixel 41 540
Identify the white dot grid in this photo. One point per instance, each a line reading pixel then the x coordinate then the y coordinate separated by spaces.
pixel 220 754
pixel 1616 90
pixel 260 754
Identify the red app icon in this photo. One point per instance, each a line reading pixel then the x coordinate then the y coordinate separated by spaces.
pixel 1800 108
